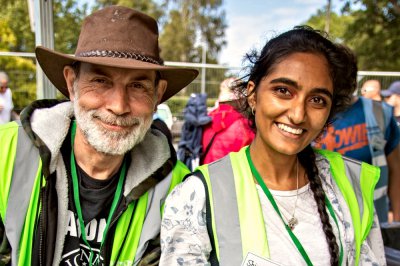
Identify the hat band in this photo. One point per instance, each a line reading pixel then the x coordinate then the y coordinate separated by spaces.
pixel 117 54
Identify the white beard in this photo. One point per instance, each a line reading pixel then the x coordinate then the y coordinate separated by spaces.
pixel 106 141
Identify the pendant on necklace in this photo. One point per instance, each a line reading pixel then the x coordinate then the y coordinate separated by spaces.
pixel 292 222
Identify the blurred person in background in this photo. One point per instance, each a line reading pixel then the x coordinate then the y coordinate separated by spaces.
pixel 6 102
pixel 229 130
pixel 392 96
pixel 372 89
pixel 368 132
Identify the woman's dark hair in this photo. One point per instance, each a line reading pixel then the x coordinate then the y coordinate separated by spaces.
pixel 302 39
pixel 343 71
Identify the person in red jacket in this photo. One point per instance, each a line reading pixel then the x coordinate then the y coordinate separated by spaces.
pixel 229 130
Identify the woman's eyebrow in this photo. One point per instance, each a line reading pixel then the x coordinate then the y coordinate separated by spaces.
pixel 285 81
pixel 294 84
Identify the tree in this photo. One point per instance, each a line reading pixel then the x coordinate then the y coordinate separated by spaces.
pixel 7 37
pixel 16 36
pixel 338 23
pixel 192 25
pixel 15 15
pixel 146 6
pixel 177 39
pixel 375 34
pixel 67 17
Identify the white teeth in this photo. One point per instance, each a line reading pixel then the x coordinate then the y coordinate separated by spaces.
pixel 296 131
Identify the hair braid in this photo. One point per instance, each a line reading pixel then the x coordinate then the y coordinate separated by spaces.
pixel 307 160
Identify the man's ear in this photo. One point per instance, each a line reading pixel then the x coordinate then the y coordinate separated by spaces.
pixel 162 86
pixel 252 99
pixel 69 76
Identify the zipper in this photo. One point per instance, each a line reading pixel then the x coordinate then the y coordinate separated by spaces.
pixel 41 228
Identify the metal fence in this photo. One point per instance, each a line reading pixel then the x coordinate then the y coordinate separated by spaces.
pixel 385 78
pixel 208 80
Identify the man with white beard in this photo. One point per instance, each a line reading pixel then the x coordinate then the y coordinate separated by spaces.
pixel 93 162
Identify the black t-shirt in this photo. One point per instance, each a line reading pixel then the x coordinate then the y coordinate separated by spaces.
pixel 96 197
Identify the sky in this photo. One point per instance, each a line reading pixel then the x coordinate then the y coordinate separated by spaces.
pixel 252 22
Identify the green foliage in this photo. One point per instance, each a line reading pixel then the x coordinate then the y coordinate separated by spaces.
pixel 68 16
pixel 15 15
pixel 7 36
pixel 191 25
pixel 16 36
pixel 372 31
pixel 337 24
pixel 177 104
pixel 181 38
pixel 149 7
pixel 375 34
pixel 22 75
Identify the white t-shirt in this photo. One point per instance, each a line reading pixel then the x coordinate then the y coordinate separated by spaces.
pixel 7 103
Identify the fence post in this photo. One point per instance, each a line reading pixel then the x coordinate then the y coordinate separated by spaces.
pixel 44 35
pixel 203 68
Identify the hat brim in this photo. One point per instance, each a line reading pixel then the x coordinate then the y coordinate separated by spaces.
pixel 53 63
pixel 387 93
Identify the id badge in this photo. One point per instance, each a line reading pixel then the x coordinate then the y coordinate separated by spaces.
pixel 252 259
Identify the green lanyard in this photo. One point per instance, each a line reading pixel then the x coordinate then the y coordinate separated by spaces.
pixel 291 234
pixel 75 185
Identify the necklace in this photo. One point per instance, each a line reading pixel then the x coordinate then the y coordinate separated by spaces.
pixel 293 220
pixel 289 231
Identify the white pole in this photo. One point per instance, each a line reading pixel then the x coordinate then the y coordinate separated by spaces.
pixel 203 68
pixel 44 35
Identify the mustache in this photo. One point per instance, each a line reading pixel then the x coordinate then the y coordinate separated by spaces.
pixel 125 120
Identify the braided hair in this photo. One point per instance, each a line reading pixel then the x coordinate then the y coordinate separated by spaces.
pixel 343 72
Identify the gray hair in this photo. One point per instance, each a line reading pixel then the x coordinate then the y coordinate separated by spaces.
pixel 3 76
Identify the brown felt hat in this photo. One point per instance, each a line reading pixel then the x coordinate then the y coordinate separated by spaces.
pixel 120 37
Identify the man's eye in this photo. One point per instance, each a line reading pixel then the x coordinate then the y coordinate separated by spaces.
pixel 138 85
pixel 99 80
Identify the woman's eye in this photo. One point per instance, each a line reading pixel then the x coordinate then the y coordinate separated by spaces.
pixel 318 100
pixel 282 90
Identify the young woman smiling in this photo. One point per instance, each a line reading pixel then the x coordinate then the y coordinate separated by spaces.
pixel 279 201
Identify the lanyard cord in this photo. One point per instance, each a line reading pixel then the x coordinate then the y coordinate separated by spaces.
pixel 75 185
pixel 295 240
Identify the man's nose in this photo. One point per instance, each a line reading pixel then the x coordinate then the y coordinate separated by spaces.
pixel 118 102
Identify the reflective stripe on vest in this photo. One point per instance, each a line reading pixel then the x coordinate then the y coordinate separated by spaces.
pixel 147 219
pixel 237 220
pixel 357 190
pixel 20 192
pixel 23 188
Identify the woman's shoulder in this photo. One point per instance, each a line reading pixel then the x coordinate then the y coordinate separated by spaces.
pixel 191 189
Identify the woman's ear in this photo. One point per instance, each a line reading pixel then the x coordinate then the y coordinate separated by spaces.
pixel 251 100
